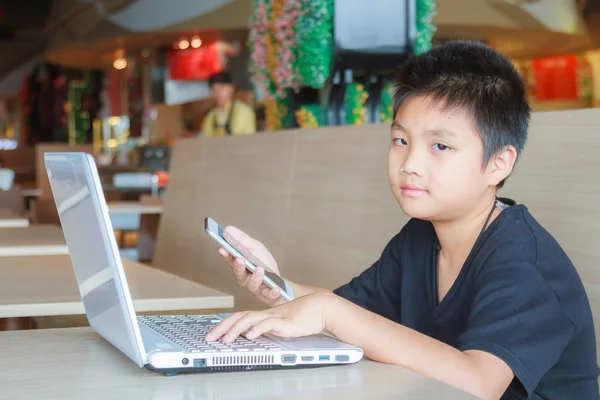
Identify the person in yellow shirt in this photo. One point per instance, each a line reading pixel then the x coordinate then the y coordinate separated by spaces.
pixel 229 116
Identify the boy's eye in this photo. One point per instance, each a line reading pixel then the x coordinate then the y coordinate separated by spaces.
pixel 441 147
pixel 400 142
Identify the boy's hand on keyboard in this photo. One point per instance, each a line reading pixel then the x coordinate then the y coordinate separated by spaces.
pixel 304 316
pixel 258 254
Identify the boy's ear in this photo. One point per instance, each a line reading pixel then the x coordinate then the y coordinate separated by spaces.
pixel 501 165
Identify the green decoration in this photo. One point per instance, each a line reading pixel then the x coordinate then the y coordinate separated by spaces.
pixel 278 113
pixel 354 104
pixel 425 29
pixel 386 106
pixel 314 37
pixel 310 116
pixel 291 45
pixel 78 123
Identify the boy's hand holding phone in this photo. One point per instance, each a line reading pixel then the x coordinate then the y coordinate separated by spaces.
pixel 252 281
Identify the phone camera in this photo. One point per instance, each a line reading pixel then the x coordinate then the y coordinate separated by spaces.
pixel 185 361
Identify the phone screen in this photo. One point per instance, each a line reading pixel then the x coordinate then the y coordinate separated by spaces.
pixel 246 254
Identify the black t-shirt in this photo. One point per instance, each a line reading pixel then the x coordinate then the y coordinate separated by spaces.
pixel 518 296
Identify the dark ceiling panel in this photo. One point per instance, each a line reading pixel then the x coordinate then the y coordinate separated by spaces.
pixel 24 14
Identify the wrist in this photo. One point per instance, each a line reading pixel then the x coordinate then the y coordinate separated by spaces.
pixel 332 305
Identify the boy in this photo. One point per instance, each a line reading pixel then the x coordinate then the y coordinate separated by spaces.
pixel 229 116
pixel 472 291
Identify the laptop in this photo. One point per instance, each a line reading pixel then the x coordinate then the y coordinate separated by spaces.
pixel 169 344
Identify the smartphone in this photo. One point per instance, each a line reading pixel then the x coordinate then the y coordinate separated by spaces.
pixel 271 279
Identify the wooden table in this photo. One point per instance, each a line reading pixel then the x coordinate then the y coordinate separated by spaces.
pixel 8 219
pixel 46 286
pixel 33 240
pixel 75 363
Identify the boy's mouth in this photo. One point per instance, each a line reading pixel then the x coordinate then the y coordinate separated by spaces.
pixel 413 191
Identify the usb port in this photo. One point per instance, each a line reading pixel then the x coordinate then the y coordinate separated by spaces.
pixel 342 358
pixel 307 358
pixel 323 358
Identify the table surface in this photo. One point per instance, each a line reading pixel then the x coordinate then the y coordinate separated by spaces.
pixel 75 363
pixel 134 207
pixel 45 286
pixel 32 240
pixel 8 219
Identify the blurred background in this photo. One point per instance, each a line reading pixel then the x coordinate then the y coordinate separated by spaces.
pixel 133 73
pixel 123 79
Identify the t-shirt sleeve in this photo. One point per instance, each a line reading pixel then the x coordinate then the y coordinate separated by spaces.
pixel 377 289
pixel 517 317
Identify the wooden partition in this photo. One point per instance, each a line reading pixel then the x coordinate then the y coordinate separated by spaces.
pixel 235 180
pixel 319 199
pixel 341 210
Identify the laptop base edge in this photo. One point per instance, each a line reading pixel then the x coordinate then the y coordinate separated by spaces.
pixel 234 368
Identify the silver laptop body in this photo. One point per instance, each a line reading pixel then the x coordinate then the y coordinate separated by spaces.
pixel 166 343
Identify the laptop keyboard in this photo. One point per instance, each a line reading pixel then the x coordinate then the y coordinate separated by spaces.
pixel 189 331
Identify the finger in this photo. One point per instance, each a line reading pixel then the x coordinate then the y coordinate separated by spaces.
pixel 273 325
pixel 223 327
pixel 225 254
pixel 256 280
pixel 240 273
pixel 243 324
pixel 269 293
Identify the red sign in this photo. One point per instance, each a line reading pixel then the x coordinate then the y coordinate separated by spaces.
pixel 194 64
pixel 556 78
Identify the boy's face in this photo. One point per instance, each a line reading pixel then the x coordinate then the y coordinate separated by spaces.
pixel 222 93
pixel 435 161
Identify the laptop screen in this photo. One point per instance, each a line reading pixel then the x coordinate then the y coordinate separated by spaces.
pixel 92 247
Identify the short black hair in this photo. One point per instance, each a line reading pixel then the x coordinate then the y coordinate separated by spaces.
pixel 220 77
pixel 476 78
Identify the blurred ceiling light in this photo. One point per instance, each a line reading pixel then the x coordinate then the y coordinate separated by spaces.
pixel 184 44
pixel 196 42
pixel 120 63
